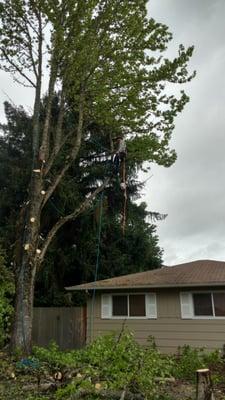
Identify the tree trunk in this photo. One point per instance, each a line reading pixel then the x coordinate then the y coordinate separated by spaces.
pixel 26 261
pixel 28 236
pixel 204 387
pixel 22 329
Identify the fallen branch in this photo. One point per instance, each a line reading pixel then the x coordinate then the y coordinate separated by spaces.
pixel 108 394
pixel 165 380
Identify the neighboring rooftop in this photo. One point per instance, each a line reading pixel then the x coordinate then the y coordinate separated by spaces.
pixel 195 273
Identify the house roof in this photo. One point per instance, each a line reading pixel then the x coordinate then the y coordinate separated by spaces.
pixel 195 273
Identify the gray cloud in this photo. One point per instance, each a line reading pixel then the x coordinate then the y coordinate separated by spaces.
pixel 192 192
pixel 13 92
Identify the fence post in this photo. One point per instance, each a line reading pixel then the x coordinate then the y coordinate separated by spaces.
pixel 204 386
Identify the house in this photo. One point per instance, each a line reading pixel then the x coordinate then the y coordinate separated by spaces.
pixel 179 305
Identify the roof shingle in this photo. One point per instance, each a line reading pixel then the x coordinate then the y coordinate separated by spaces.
pixel 195 273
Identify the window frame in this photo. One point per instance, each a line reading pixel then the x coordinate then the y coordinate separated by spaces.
pixel 128 317
pixel 202 317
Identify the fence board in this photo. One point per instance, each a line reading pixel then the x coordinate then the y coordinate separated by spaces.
pixel 65 325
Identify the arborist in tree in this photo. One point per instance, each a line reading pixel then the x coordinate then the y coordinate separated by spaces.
pixel 120 155
pixel 119 164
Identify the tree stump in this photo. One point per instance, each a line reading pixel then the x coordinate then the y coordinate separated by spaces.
pixel 204 387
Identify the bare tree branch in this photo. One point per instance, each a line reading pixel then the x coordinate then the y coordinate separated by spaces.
pixel 28 45
pixel 54 154
pixel 44 149
pixel 36 112
pixel 58 143
pixel 74 151
pixel 70 217
pixel 15 66
pixel 27 22
pixel 58 135
pixel 30 49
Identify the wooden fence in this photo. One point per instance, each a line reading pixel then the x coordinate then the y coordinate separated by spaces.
pixel 65 325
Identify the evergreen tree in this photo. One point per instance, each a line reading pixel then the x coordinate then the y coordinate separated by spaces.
pixel 72 256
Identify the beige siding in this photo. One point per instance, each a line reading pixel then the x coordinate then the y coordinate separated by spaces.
pixel 169 330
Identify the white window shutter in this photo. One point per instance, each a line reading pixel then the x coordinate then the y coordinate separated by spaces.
pixel 106 306
pixel 186 305
pixel 151 306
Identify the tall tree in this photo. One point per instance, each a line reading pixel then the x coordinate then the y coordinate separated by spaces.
pixel 72 255
pixel 101 56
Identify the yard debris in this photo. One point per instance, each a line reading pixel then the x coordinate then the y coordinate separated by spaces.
pixel 58 376
pixel 108 394
pixel 165 379
pixel 98 386
pixel 109 369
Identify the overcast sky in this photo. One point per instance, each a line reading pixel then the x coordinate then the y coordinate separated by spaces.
pixel 192 192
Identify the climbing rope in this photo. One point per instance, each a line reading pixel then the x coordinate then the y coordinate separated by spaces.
pixel 97 264
pixel 124 211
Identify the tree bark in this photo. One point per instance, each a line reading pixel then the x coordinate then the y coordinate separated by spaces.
pixel 22 330
pixel 204 387
pixel 25 270
pixel 25 258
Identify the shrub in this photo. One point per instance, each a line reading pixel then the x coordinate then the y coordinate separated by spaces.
pixel 6 293
pixel 192 359
pixel 55 359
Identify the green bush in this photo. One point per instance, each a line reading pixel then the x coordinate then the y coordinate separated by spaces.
pixel 113 363
pixel 6 293
pixel 192 359
pixel 55 359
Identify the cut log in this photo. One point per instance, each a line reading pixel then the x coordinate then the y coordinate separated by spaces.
pixel 204 386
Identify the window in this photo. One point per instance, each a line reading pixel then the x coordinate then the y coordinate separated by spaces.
pixel 203 304
pixel 129 305
pixel 119 306
pixel 137 305
pixel 219 304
